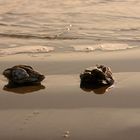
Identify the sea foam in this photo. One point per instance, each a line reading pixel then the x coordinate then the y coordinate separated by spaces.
pixel 102 47
pixel 26 49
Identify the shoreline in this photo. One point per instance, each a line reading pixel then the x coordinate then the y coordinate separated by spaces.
pixel 75 62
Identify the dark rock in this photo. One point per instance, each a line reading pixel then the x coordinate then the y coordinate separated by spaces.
pixel 96 77
pixel 20 75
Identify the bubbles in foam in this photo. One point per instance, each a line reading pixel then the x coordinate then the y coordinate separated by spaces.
pixel 26 49
pixel 102 47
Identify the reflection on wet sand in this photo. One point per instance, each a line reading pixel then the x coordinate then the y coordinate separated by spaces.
pixel 24 89
pixel 96 90
pixel 100 90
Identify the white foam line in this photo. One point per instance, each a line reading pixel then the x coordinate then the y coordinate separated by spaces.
pixel 103 47
pixel 26 49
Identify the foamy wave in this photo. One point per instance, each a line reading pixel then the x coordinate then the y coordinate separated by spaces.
pixel 103 47
pixel 26 49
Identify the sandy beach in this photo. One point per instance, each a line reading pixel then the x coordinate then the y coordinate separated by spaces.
pixel 59 109
pixel 60 39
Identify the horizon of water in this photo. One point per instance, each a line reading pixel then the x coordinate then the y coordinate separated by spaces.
pixel 46 25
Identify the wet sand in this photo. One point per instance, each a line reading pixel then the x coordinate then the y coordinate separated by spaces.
pixel 59 105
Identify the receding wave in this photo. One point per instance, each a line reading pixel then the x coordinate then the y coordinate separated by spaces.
pixel 102 47
pixel 32 36
pixel 26 49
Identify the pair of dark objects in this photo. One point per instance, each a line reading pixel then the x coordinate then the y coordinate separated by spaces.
pixel 93 78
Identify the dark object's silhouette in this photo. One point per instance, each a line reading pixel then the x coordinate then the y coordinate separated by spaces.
pixel 99 90
pixel 96 77
pixel 25 89
pixel 22 75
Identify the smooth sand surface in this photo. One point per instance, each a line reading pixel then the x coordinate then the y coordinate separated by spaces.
pixel 58 105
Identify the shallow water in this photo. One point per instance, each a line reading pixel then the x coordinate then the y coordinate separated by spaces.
pixel 64 24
